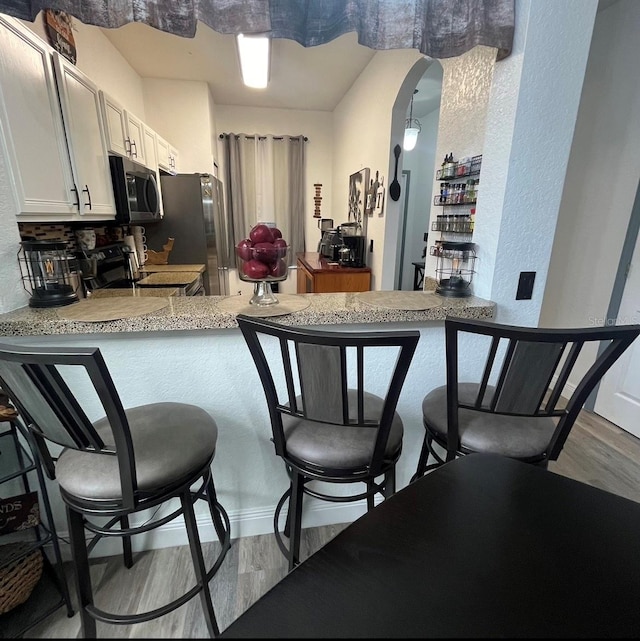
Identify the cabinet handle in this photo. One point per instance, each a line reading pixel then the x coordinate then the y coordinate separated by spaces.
pixel 74 189
pixel 127 146
pixel 86 189
pixel 134 148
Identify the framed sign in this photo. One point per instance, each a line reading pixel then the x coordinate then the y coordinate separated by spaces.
pixel 358 186
pixel 59 30
pixel 19 512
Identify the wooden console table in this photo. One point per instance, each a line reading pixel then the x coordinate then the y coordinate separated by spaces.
pixel 317 276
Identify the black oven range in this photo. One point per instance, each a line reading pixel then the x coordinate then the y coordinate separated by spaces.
pixel 109 267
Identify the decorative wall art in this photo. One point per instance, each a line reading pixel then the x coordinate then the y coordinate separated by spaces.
pixel 379 208
pixel 59 29
pixel 358 185
pixel 372 194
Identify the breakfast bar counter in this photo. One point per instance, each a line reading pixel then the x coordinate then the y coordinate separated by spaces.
pixel 211 312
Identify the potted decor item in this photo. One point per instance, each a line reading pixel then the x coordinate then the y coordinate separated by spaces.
pixel 263 258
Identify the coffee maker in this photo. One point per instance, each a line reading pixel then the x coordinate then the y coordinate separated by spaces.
pixel 330 244
pixel 356 255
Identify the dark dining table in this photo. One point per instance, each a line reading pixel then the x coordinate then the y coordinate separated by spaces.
pixel 483 546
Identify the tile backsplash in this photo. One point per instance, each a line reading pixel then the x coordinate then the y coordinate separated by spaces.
pixel 65 232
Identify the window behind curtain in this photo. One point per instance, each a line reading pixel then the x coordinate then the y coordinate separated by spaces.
pixel 266 183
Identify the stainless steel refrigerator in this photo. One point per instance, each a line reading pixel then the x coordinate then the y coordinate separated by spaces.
pixel 194 216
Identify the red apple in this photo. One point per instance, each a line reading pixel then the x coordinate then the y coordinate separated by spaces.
pixel 278 269
pixel 281 245
pixel 265 253
pixel 255 269
pixel 243 249
pixel 276 232
pixel 261 234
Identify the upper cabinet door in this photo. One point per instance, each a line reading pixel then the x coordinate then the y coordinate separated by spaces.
pixel 136 139
pixel 173 159
pixel 162 147
pixel 31 130
pixel 84 129
pixel 115 125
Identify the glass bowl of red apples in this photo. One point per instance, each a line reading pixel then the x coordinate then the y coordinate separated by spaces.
pixel 263 258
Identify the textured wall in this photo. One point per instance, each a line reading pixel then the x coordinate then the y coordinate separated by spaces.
pixel 530 122
pixel 466 84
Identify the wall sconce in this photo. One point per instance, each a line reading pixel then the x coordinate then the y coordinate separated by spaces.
pixel 412 128
pixel 255 59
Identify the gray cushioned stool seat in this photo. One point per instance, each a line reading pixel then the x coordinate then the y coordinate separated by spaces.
pixel 325 444
pixel 512 436
pixel 170 440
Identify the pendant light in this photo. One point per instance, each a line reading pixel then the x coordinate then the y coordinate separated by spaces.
pixel 412 128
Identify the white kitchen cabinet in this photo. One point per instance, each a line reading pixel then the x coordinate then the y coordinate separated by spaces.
pixel 167 156
pixel 124 130
pixel 32 137
pixel 115 125
pixel 82 117
pixel 173 159
pixel 135 134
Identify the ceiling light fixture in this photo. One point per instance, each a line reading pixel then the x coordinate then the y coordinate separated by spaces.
pixel 412 128
pixel 254 52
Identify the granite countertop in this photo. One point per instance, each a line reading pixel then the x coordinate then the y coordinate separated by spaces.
pixel 172 268
pixel 134 291
pixel 205 312
pixel 168 279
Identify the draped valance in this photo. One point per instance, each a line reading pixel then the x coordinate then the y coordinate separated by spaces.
pixel 437 28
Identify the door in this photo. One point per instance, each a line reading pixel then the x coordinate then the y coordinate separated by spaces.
pixel 618 397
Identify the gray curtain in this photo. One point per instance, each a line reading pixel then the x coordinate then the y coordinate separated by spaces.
pixel 265 178
pixel 437 28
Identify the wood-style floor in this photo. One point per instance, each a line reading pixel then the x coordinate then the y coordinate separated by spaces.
pixel 597 453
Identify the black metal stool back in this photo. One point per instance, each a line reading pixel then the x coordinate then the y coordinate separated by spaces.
pixel 515 406
pixel 129 460
pixel 326 424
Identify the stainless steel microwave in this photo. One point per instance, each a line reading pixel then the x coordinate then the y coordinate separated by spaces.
pixel 135 188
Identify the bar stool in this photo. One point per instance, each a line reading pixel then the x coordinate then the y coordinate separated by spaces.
pixel 112 469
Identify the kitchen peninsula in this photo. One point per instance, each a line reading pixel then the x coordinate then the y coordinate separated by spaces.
pixel 192 351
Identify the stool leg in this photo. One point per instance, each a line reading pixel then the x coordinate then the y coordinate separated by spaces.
pixel 81 572
pixel 126 544
pixel 422 461
pixel 370 495
pixel 198 564
pixel 214 509
pixel 295 514
pixel 390 482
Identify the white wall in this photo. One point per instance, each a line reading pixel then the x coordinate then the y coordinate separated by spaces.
pixel 530 121
pixel 466 84
pixel 363 137
pixel 420 162
pixel 180 111
pixel 602 177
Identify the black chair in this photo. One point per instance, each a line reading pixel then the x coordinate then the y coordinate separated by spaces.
pixel 110 469
pixel 325 425
pixel 515 405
